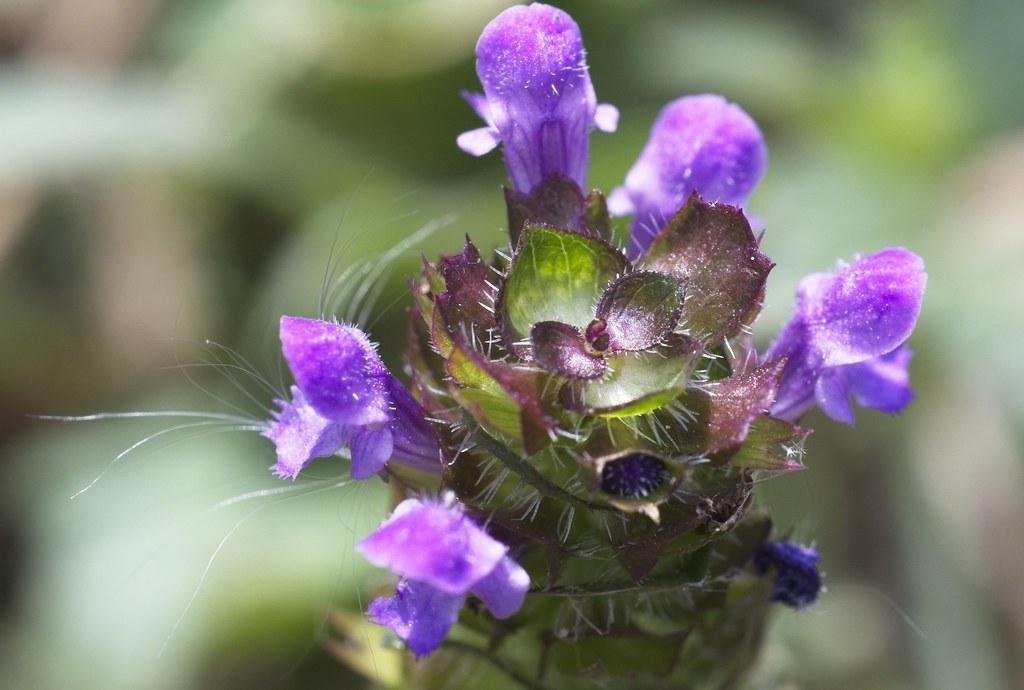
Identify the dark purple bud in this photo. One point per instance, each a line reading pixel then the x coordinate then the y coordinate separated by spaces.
pixel 637 475
pixel 797 579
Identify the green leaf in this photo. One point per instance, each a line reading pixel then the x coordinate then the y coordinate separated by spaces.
pixel 556 276
pixel 636 383
pixel 640 309
pixel 712 249
pixel 772 445
pixel 504 399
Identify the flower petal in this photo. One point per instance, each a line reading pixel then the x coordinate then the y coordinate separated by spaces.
pixel 504 589
pixel 700 144
pixel 433 543
pixel 371 448
pixel 797 579
pixel 883 383
pixel 337 369
pixel 300 435
pixel 418 613
pixel 844 337
pixel 832 393
pixel 478 102
pixel 415 440
pixel 867 309
pixel 606 117
pixel 800 374
pixel 532 65
pixel 477 142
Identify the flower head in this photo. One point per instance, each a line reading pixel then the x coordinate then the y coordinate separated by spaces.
pixel 538 100
pixel 344 395
pixel 846 337
pixel 797 579
pixel 441 556
pixel 700 144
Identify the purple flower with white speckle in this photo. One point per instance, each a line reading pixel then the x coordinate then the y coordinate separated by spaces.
pixel 345 396
pixel 700 144
pixel 538 100
pixel 847 337
pixel 442 556
pixel 797 579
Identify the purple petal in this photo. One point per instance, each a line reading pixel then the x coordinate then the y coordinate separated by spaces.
pixel 414 438
pixel 478 102
pixel 418 613
pixel 832 393
pixel 300 434
pixel 844 337
pixel 882 383
pixel 532 65
pixel 504 589
pixel 867 309
pixel 700 144
pixel 337 369
pixel 803 365
pixel 370 448
pixel 606 117
pixel 433 543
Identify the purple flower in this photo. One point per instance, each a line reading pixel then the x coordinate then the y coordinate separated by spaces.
pixel 345 396
pixel 846 337
pixel 700 144
pixel 538 100
pixel 797 579
pixel 441 556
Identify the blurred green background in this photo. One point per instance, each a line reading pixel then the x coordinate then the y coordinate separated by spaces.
pixel 172 172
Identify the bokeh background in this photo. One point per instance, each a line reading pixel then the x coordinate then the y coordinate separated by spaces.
pixel 174 175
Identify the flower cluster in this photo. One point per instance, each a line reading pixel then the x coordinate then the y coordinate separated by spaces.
pixel 590 419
